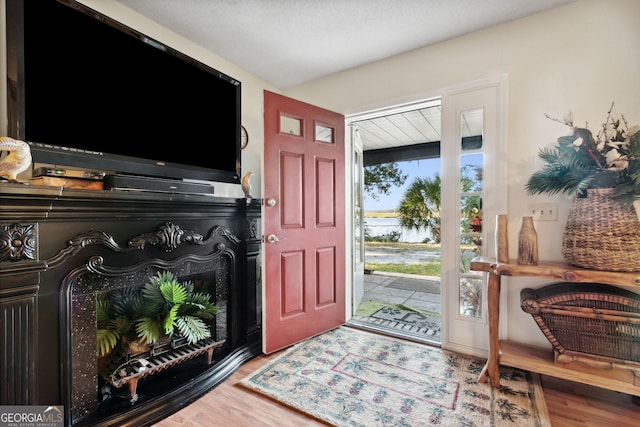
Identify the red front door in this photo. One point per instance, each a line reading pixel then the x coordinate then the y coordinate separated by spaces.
pixel 304 213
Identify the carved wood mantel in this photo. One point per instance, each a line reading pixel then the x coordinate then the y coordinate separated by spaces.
pixel 50 235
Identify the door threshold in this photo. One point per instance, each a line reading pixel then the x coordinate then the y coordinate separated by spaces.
pixel 364 324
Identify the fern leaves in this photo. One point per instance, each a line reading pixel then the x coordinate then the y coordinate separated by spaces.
pixel 580 161
pixel 162 307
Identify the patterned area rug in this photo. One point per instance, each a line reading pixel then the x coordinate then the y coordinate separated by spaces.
pixel 350 377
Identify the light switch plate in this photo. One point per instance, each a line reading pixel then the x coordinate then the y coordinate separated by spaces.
pixel 543 211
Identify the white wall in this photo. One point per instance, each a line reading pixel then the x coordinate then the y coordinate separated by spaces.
pixel 578 57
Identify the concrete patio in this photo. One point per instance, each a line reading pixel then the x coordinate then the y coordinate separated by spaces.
pixel 417 292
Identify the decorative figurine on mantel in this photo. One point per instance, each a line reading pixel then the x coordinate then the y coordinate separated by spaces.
pixel 18 160
pixel 246 184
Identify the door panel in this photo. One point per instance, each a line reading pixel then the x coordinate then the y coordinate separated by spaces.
pixel 468 203
pixel 304 221
pixel 292 195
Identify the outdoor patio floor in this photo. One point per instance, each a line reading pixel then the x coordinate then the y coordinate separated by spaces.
pixel 417 292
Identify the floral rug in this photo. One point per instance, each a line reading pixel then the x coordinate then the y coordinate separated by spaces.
pixel 350 377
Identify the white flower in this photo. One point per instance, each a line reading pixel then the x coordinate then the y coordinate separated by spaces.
pixel 616 162
pixel 615 144
pixel 578 142
pixel 610 131
pixel 632 131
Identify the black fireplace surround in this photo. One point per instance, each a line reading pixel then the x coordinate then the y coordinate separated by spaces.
pixel 60 247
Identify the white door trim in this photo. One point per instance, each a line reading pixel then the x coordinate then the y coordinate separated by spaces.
pixel 462 334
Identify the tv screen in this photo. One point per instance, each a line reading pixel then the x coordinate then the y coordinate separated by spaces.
pixel 91 93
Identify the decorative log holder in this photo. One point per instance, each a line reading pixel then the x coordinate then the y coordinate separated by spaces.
pixel 137 368
pixel 595 323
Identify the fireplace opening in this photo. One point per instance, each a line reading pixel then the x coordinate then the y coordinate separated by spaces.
pixel 111 375
pixel 144 330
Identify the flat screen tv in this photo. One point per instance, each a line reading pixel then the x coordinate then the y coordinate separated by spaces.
pixel 89 92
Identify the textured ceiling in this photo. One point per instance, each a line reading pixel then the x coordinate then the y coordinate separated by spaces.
pixel 290 42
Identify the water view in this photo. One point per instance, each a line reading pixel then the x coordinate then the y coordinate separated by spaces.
pixel 385 226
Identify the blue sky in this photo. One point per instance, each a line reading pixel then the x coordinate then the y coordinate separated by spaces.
pixel 413 168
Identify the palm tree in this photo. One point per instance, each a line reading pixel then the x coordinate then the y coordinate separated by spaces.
pixel 420 206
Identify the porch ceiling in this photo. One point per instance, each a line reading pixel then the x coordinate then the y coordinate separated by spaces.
pixel 411 127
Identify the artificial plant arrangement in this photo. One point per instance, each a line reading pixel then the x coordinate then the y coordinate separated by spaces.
pixel 163 307
pixel 581 161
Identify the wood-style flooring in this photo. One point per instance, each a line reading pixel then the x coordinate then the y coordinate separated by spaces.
pixel 570 404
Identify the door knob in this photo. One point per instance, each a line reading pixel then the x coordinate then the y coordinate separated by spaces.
pixel 272 238
pixel 271 202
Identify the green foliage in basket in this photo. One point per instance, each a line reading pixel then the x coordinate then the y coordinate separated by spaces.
pixel 581 161
pixel 163 307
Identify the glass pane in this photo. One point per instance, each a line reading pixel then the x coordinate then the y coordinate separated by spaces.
pixel 470 247
pixel 290 125
pixel 324 133
pixel 471 125
pixel 471 296
pixel 471 172
pixel 358 220
pixel 471 221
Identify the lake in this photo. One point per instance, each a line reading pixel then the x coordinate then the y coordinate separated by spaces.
pixel 382 226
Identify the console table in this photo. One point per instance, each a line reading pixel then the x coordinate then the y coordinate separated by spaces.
pixel 538 360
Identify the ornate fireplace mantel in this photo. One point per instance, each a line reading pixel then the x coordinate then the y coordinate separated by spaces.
pixel 60 246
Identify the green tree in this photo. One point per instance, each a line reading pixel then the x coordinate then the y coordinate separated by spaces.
pixel 420 208
pixel 471 206
pixel 379 179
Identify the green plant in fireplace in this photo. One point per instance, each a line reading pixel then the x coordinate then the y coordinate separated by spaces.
pixel 163 307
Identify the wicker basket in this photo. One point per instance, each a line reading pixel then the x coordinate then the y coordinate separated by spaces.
pixel 601 234
pixel 593 320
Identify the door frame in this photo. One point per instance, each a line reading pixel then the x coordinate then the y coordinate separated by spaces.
pixel 354 298
pixel 499 202
pixel 472 334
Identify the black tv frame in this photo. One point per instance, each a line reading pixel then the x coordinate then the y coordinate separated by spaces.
pixel 158 163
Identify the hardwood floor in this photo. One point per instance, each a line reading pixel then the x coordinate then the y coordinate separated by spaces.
pixel 570 404
pixel 231 405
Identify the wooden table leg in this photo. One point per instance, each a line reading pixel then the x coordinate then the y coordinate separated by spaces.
pixel 491 370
